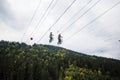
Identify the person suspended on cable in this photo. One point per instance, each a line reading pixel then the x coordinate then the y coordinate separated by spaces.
pixel 51 37
pixel 59 39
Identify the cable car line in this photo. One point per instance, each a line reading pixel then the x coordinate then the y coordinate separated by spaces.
pixel 93 21
pixel 45 17
pixel 76 13
pixel 49 12
pixel 80 16
pixel 41 18
pixel 57 20
pixel 31 19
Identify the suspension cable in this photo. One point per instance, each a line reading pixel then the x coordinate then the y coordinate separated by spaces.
pixel 80 16
pixel 41 18
pixel 57 20
pixel 76 14
pixel 31 20
pixel 92 21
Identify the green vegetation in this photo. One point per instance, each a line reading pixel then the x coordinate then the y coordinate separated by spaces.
pixel 44 62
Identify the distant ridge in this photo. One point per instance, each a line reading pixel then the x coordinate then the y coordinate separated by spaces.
pixel 19 61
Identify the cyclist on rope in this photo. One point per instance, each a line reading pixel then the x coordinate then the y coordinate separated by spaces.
pixel 51 37
pixel 59 39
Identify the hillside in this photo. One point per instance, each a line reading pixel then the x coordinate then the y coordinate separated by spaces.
pixel 19 61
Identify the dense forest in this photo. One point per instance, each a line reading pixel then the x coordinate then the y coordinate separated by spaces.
pixel 19 61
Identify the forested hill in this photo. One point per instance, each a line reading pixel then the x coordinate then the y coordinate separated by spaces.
pixel 19 61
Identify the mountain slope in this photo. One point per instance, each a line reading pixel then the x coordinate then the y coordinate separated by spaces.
pixel 45 62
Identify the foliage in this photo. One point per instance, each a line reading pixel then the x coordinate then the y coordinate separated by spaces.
pixel 19 61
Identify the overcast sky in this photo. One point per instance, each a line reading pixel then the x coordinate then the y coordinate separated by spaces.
pixel 22 19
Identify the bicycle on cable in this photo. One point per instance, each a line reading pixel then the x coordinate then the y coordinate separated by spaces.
pixel 59 39
pixel 51 37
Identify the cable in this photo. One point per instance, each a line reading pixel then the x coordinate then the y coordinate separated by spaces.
pixel 93 21
pixel 57 19
pixel 41 18
pixel 81 16
pixel 46 15
pixel 31 19
pixel 49 11
pixel 76 14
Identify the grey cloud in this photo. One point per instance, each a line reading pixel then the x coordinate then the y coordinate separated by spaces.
pixel 7 15
pixel 5 12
